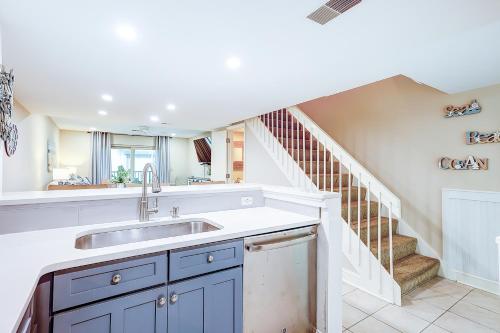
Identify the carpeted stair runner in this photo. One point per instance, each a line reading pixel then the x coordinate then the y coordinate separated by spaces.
pixel 410 268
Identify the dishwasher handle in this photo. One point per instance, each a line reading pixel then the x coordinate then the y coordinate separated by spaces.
pixel 256 247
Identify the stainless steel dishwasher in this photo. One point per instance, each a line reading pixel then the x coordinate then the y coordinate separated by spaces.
pixel 279 282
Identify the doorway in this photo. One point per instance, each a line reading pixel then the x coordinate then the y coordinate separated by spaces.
pixel 236 154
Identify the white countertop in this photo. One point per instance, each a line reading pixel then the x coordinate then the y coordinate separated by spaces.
pixel 26 256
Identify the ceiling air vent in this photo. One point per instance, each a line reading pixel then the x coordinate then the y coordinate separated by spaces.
pixel 331 10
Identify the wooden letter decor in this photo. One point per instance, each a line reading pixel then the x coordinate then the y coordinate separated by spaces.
pixel 474 137
pixel 458 111
pixel 470 163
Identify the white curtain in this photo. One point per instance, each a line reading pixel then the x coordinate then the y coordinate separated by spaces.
pixel 101 157
pixel 162 144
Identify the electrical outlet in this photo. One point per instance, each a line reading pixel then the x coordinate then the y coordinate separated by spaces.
pixel 246 201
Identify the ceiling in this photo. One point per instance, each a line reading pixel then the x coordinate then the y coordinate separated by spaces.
pixel 66 54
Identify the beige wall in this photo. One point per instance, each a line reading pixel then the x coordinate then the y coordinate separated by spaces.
pixel 27 170
pixel 396 129
pixel 74 151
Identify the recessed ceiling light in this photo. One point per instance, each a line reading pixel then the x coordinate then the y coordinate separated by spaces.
pixel 173 134
pixel 102 112
pixel 126 32
pixel 92 129
pixel 107 97
pixel 154 118
pixel 233 62
pixel 171 107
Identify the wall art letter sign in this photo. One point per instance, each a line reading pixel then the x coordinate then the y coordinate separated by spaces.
pixel 457 111
pixel 474 137
pixel 470 163
pixel 8 130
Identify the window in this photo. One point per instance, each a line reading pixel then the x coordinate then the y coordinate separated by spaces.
pixel 133 159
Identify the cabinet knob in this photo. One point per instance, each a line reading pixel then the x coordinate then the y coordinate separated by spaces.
pixel 116 278
pixel 162 300
pixel 210 259
pixel 174 298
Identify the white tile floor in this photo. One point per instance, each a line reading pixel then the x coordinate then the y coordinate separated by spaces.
pixel 439 306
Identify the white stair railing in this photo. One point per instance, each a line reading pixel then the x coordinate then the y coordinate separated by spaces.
pixel 284 133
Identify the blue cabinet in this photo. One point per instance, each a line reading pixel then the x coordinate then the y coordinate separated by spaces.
pixel 211 303
pixel 203 295
pixel 141 312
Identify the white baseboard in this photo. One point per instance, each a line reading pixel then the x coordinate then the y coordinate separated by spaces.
pixel 479 283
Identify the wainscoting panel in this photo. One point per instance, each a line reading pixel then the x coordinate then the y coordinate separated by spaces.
pixel 471 223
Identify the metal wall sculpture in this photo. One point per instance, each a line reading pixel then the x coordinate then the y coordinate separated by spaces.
pixel 470 163
pixel 458 111
pixel 8 130
pixel 473 137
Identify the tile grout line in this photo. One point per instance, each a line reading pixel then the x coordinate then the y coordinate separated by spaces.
pixel 448 310
pixel 469 319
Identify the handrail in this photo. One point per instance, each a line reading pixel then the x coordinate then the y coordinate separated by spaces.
pixel 284 134
pixel 388 198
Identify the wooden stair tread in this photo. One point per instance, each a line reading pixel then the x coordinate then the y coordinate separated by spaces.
pixel 413 270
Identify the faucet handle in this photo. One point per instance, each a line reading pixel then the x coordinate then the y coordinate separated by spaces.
pixel 175 212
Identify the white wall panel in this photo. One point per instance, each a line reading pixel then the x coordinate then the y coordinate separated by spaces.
pixel 471 223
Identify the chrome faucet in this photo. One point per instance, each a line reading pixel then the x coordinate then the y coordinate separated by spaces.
pixel 145 211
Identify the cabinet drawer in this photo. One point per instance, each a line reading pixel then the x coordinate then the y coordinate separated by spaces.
pixel 200 260
pixel 75 287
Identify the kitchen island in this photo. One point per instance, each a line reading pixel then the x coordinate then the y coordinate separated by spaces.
pixel 28 256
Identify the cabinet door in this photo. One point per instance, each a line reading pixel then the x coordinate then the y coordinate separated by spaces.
pixel 141 312
pixel 211 303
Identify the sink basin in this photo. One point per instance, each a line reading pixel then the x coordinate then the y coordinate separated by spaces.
pixel 138 233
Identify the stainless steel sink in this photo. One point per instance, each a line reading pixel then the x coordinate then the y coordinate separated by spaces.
pixel 138 233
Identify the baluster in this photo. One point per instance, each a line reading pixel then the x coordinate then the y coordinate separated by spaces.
pixel 310 158
pixel 297 145
pixel 340 175
pixel 331 168
pixel 359 218
pixel 268 129
pixel 368 236
pixel 286 146
pixel 349 205
pixel 324 165
pixel 281 150
pixel 379 229
pixel 292 152
pixel 391 256
pixel 304 166
pixel 272 131
pixel 317 160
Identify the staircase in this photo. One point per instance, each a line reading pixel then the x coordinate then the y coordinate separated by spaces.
pixel 385 262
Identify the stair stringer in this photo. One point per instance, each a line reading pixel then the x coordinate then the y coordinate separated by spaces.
pixel 370 275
